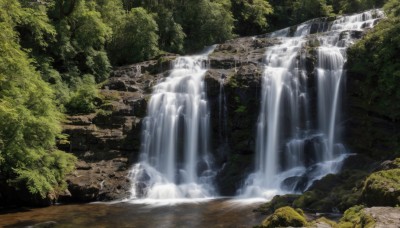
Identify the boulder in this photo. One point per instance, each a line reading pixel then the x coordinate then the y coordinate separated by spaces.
pixel 382 188
pixel 285 217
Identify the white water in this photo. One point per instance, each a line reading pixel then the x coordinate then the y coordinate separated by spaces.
pixel 291 152
pixel 222 120
pixel 175 163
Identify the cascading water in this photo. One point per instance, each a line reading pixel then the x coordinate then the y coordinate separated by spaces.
pixel 291 150
pixel 222 119
pixel 175 162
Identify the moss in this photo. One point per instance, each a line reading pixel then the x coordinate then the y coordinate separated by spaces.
pixel 301 212
pixel 345 225
pixel 313 43
pixel 241 109
pixel 382 188
pixel 397 162
pixel 333 192
pixel 284 217
pixel 356 218
pixel 103 113
pixel 305 200
pixel 277 202
pixel 232 82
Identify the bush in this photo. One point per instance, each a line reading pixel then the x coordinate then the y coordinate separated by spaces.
pixel 83 100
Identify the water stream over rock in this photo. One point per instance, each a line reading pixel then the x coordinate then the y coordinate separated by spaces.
pixel 175 159
pixel 291 151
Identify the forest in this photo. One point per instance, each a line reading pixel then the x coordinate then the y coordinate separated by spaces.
pixel 55 55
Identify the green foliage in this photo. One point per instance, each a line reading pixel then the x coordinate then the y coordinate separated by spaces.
pixel 136 39
pixel 29 120
pixel 81 36
pixel 251 16
pixel 351 6
pixel 111 11
pixel 170 32
pixel 285 217
pixel 83 100
pixel 205 23
pixel 375 59
pixel 306 9
pixel 241 109
pixel 288 13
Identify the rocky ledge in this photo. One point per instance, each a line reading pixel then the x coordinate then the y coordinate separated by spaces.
pixel 107 142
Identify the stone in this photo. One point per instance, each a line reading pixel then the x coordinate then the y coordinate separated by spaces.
pixel 285 217
pixel 382 188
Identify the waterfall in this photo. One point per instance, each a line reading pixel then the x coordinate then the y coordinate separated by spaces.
pixel 222 120
pixel 175 161
pixel 291 150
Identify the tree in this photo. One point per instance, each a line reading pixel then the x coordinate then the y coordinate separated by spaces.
pixel 171 35
pixel 136 39
pixel 307 9
pixel 251 16
pixel 205 22
pixel 29 120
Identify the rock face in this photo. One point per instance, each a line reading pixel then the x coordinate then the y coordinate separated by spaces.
pixel 108 142
pixel 235 64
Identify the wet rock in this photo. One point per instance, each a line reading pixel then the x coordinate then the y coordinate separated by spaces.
pixel 295 184
pixel 312 147
pixel 389 164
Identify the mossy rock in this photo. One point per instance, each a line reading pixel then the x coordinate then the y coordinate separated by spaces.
pixel 285 217
pixel 355 217
pixel 277 202
pixel 382 188
pixel 307 199
pixel 333 192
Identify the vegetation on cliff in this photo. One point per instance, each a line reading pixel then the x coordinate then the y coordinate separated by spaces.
pixel 375 59
pixel 375 73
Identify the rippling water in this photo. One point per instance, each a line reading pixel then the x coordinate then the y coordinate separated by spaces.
pixel 213 213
